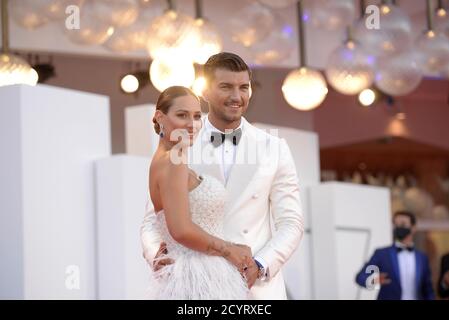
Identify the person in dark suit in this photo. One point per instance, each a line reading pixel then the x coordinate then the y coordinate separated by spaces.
pixel 400 271
pixel 443 281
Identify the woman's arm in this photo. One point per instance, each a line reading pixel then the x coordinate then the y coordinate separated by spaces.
pixel 174 191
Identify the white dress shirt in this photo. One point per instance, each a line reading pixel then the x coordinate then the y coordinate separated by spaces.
pixel 227 149
pixel 407 273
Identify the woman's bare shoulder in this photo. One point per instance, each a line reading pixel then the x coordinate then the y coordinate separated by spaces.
pixel 163 164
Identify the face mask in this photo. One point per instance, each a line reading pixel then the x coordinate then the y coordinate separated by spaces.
pixel 401 233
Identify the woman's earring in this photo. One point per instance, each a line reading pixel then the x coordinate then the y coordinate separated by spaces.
pixel 161 128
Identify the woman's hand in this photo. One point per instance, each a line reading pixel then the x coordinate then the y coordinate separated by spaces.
pixel 240 256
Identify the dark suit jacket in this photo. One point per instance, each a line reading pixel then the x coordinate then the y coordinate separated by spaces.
pixel 386 259
pixel 444 293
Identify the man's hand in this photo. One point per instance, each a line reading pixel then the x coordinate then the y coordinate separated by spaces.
pixel 382 279
pixel 158 262
pixel 251 273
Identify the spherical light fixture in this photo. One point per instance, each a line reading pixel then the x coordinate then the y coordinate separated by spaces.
pixel 367 97
pixel 399 75
pixel 13 69
pixel 350 69
pixel 171 71
pixel 304 88
pixel 393 35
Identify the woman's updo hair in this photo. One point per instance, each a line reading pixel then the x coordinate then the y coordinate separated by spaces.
pixel 165 101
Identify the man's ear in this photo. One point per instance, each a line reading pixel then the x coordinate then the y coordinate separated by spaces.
pixel 205 94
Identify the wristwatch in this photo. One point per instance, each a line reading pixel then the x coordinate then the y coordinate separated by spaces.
pixel 262 272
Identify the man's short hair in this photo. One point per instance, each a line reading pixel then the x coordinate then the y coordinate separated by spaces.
pixel 227 61
pixel 407 214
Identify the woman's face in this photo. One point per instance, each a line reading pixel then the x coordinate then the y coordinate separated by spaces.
pixel 183 119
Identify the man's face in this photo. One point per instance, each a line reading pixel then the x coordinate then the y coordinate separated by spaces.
pixel 402 221
pixel 228 94
pixel 405 222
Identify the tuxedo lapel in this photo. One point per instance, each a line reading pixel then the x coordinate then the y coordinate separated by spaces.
pixel 395 263
pixel 243 170
pixel 419 268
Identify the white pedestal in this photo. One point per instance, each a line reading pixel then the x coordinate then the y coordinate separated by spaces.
pixel 348 222
pixel 49 139
pixel 122 192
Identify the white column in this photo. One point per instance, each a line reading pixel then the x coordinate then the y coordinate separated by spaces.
pixel 50 138
pixel 122 193
pixel 348 223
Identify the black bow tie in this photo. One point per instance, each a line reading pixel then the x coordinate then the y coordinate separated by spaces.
pixel 399 249
pixel 217 138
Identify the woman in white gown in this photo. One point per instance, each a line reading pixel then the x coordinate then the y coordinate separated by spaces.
pixel 190 211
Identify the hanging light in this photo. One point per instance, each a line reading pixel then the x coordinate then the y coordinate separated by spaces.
pixel 133 82
pixel 349 68
pixel 251 24
pixel 29 14
pixel 304 88
pixel 399 75
pixel 393 36
pixel 93 31
pixel 209 40
pixel 433 47
pixel 55 9
pixel 173 32
pixel 277 47
pixel 367 97
pixel 442 18
pixel 171 71
pixel 129 83
pixel 13 69
pixel 135 36
pixel 117 13
pixel 331 15
pixel 278 4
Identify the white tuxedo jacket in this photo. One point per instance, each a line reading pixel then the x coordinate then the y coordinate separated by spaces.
pixel 263 208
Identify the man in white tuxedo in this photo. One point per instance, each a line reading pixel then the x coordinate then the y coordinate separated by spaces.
pixel 263 209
